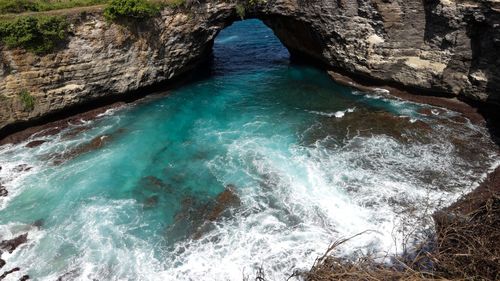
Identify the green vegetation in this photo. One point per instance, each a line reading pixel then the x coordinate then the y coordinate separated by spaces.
pixel 20 6
pixel 175 3
pixel 27 99
pixel 39 34
pixel 240 10
pixel 136 9
pixel 17 6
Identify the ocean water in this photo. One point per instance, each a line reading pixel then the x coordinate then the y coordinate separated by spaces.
pixel 260 164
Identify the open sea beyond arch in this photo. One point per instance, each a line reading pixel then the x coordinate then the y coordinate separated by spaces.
pixel 263 163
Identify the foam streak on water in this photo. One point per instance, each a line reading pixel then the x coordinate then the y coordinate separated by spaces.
pixel 139 193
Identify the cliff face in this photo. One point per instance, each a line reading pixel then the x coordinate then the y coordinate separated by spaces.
pixel 445 46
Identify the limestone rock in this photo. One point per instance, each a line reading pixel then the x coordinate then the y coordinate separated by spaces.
pixel 433 45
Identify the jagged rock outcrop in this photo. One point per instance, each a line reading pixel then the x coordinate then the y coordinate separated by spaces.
pixel 443 46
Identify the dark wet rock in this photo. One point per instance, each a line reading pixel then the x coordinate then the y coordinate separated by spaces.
pixel 197 217
pixel 94 144
pixel 425 111
pixel 24 278
pixel 459 119
pixel 12 244
pixel 366 123
pixel 49 131
pixel 9 272
pixel 3 191
pixel 53 128
pixel 431 111
pixel 225 200
pixel 188 220
pixel 22 168
pixel 35 143
pixel 2 262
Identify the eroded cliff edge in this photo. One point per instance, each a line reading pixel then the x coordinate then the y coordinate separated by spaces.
pixel 448 47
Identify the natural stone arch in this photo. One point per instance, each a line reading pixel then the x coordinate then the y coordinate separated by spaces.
pixel 432 46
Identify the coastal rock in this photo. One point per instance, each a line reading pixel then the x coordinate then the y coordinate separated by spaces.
pixel 35 143
pixel 7 272
pixel 226 199
pixel 438 46
pixel 3 191
pixel 12 244
pixel 22 168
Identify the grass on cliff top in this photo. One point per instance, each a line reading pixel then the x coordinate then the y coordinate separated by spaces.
pixel 31 6
pixel 21 6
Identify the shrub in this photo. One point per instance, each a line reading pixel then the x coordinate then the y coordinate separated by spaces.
pixel 175 3
pixel 136 9
pixel 27 99
pixel 36 34
pixel 17 6
pixel 240 10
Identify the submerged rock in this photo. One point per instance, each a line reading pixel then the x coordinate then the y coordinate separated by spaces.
pixel 94 144
pixel 196 218
pixel 225 200
pixel 75 131
pixel 155 184
pixel 38 223
pixel 150 202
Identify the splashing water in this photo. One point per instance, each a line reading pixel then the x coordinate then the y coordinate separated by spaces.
pixel 261 164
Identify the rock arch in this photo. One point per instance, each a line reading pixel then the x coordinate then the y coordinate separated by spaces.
pixel 441 46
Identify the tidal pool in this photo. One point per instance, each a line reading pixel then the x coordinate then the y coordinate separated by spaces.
pixel 262 163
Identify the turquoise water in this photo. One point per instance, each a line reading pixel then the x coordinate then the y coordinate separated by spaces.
pixel 261 163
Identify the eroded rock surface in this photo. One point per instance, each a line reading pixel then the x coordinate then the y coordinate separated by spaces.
pixel 12 244
pixel 441 46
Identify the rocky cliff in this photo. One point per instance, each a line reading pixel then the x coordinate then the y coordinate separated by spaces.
pixel 448 47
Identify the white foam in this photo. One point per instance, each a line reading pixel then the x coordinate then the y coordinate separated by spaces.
pixel 336 114
pixel 381 91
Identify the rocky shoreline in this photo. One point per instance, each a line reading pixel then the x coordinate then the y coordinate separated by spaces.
pixel 10 246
